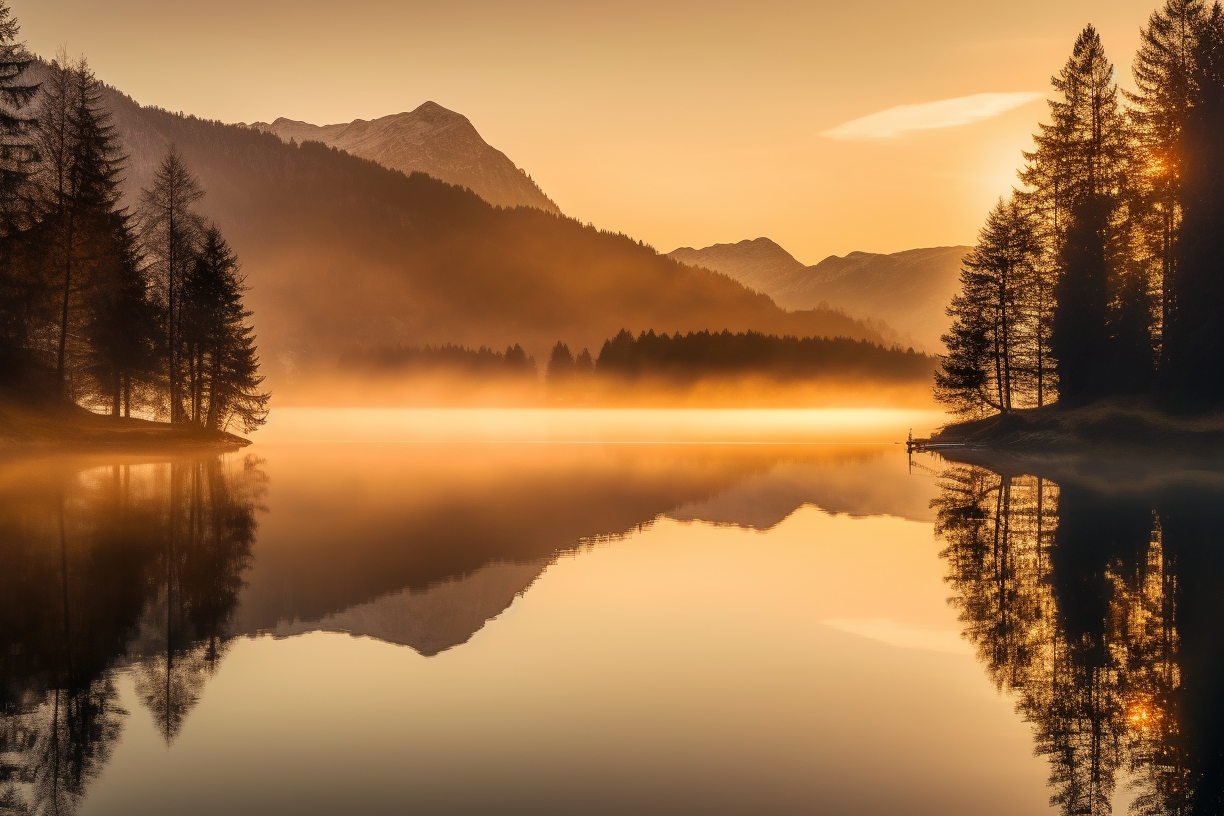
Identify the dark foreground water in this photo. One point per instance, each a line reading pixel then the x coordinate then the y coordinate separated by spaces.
pixel 584 614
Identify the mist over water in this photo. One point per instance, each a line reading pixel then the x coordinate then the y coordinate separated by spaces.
pixel 592 611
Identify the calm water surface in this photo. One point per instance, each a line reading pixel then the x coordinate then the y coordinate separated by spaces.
pixel 606 612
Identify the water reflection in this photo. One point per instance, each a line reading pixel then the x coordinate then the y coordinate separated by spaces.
pixel 150 571
pixel 106 566
pixel 1094 594
pixel 423 550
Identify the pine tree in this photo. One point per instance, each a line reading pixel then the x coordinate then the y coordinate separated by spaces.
pixel 1164 72
pixel 122 327
pixel 1195 364
pixel 81 186
pixel 1078 182
pixel 171 229
pixel 992 334
pixel 18 153
pixel 20 294
pixel 223 363
pixel 560 364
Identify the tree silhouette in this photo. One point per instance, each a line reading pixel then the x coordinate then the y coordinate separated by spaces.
pixel 223 377
pixel 171 230
pixel 18 152
pixel 996 346
pixel 1195 357
pixel 1164 70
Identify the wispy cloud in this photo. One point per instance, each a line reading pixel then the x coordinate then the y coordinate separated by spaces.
pixel 963 110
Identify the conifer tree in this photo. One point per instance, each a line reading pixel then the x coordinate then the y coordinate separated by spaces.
pixel 18 153
pixel 81 183
pixel 986 365
pixel 1195 363
pixel 122 327
pixel 171 229
pixel 20 293
pixel 560 364
pixel 223 364
pixel 1164 73
pixel 1077 176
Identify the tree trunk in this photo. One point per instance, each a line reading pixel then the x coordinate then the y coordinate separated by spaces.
pixel 63 337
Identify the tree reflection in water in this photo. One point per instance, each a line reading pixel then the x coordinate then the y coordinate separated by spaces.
pixel 1099 607
pixel 107 567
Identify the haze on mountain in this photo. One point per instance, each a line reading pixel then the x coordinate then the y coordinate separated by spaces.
pixel 430 140
pixel 908 291
pixel 343 254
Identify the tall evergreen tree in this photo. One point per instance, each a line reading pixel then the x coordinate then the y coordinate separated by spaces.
pixel 222 361
pixel 992 336
pixel 1164 73
pixel 81 181
pixel 171 230
pixel 122 325
pixel 18 153
pixel 1077 176
pixel 1195 364
pixel 19 295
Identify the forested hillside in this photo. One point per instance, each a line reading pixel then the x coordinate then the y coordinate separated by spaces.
pixel 342 254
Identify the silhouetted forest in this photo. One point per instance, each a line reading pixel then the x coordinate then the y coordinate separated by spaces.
pixel 1099 609
pixel 117 310
pixel 1103 274
pixel 698 368
pixel 484 361
pixel 117 566
pixel 706 354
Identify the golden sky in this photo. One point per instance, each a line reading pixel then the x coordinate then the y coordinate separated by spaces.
pixel 680 123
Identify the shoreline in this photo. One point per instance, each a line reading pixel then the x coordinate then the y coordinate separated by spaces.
pixel 51 426
pixel 1124 424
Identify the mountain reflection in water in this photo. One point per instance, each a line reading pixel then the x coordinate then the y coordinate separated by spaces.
pixel 1089 591
pixel 153 569
pixel 1095 593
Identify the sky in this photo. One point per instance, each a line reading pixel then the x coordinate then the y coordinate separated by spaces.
pixel 826 126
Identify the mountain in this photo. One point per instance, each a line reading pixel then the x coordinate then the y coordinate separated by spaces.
pixel 907 290
pixel 761 264
pixel 434 619
pixel 424 550
pixel 341 254
pixel 430 140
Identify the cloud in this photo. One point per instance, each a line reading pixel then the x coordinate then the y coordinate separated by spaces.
pixel 963 110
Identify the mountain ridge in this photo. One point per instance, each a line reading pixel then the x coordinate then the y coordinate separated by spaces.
pixel 342 253
pixel 429 139
pixel 908 290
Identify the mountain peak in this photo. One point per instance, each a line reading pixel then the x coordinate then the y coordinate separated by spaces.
pixel 429 139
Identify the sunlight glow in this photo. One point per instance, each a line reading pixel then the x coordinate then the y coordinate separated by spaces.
pixel 945 113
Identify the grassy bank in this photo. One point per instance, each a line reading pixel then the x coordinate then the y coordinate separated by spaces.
pixel 1135 423
pixel 54 424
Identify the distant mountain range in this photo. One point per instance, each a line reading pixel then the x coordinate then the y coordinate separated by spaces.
pixel 908 290
pixel 430 140
pixel 343 254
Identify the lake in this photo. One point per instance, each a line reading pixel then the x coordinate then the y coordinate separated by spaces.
pixel 559 612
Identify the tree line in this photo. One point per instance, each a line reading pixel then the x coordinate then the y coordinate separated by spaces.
pixel 707 354
pixel 449 357
pixel 115 310
pixel 1103 273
